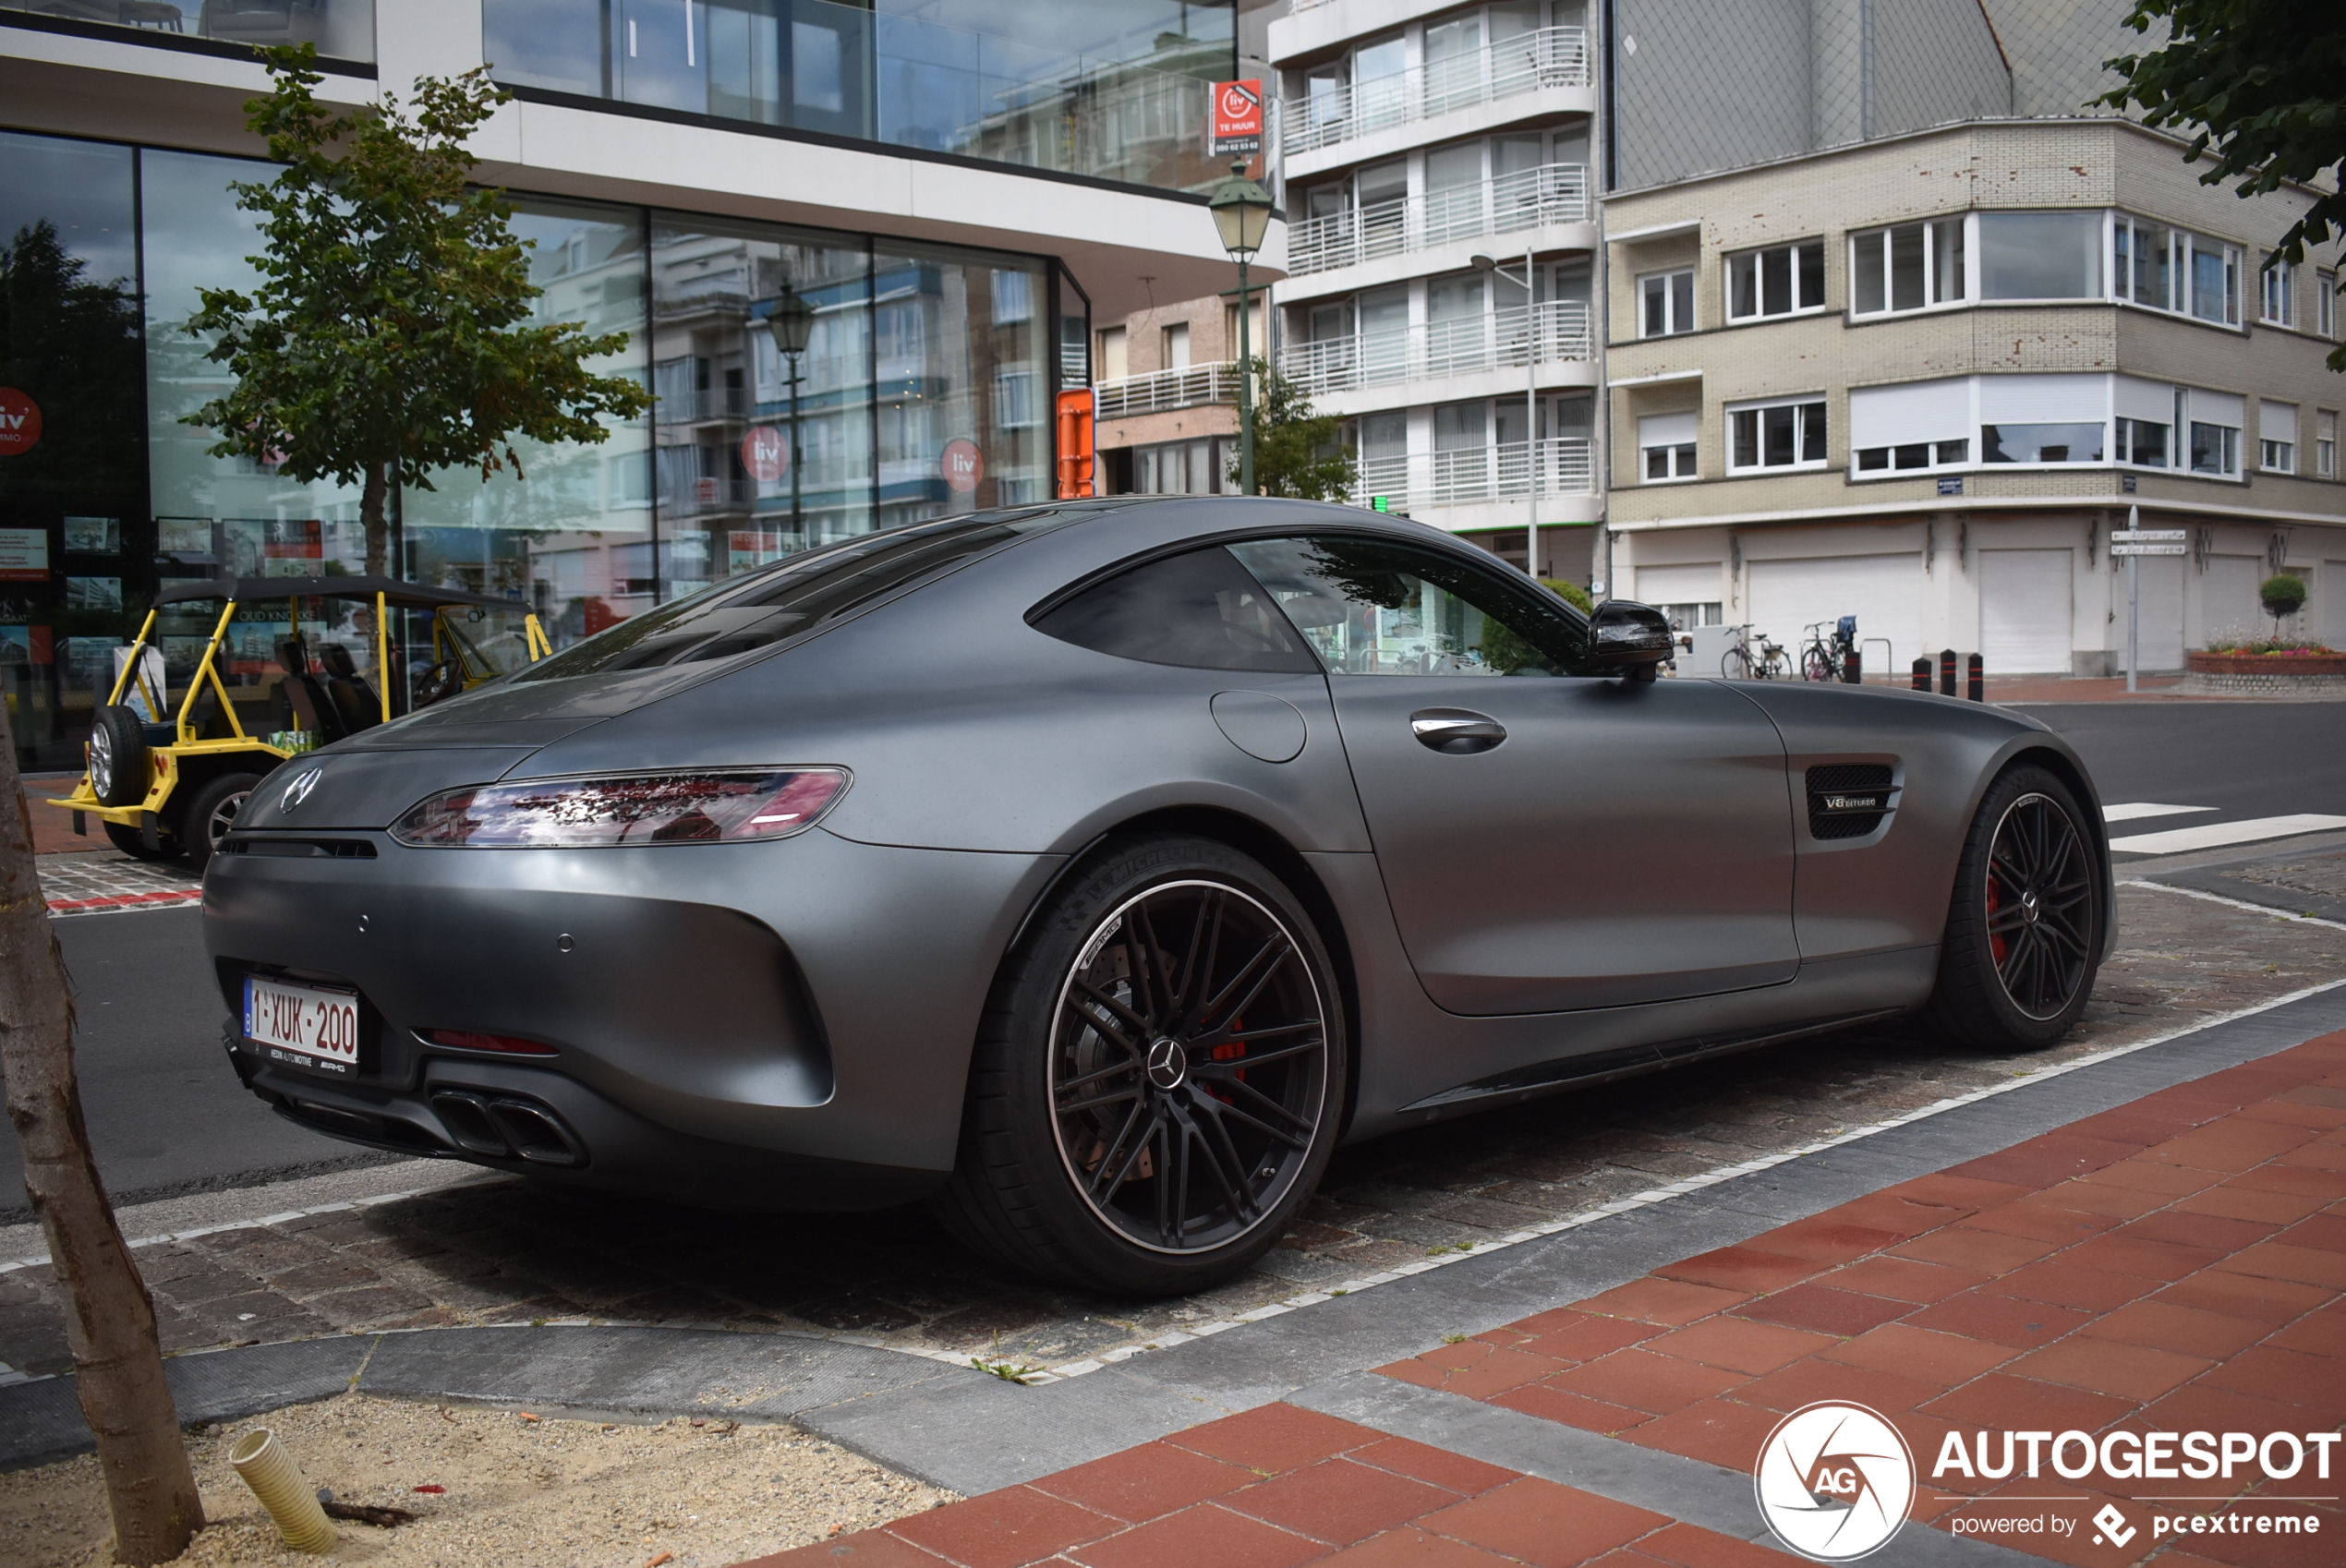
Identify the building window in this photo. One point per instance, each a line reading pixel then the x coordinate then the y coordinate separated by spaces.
pixel 1665 304
pixel 2142 442
pixel 1177 347
pixel 1906 267
pixel 2326 303
pixel 1013 395
pixel 1912 455
pixel 2040 443
pixel 2040 256
pixel 2277 438
pixel 2276 294
pixel 1778 435
pixel 1776 281
pixel 1667 443
pixel 2168 268
pixel 2215 449
pixel 2326 443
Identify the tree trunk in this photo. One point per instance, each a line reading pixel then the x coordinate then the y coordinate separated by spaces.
pixel 373 508
pixel 110 1320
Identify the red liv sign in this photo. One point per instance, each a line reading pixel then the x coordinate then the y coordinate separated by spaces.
pixel 764 453
pixel 19 423
pixel 963 464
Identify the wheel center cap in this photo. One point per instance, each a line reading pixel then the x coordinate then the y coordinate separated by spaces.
pixel 1169 1064
pixel 2029 909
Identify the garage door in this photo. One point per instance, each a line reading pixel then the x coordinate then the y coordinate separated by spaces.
pixel 2329 595
pixel 2228 604
pixel 2024 611
pixel 1884 592
pixel 2162 613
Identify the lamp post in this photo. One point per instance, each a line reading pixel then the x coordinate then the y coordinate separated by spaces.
pixel 1531 401
pixel 791 321
pixel 1241 209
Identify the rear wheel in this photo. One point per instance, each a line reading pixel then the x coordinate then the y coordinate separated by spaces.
pixel 1158 1079
pixel 117 756
pixel 211 813
pixel 132 843
pixel 2023 942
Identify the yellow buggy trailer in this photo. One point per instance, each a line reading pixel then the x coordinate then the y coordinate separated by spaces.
pixel 172 787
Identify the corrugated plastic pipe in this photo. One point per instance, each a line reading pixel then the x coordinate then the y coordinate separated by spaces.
pixel 269 1471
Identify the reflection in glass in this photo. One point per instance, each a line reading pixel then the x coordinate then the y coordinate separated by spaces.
pixel 343 29
pixel 2040 443
pixel 958 345
pixel 1371 608
pixel 2040 255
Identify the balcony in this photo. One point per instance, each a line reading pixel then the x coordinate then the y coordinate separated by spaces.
pixel 1565 467
pixel 1162 390
pixel 1529 198
pixel 1555 332
pixel 1556 56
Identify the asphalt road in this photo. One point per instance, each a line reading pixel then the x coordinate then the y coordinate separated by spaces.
pixel 165 1112
pixel 168 1118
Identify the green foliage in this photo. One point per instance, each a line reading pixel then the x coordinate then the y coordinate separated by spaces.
pixel 1506 651
pixel 2283 594
pixel 2257 82
pixel 1573 593
pixel 1297 453
pixel 391 333
pixel 2278 647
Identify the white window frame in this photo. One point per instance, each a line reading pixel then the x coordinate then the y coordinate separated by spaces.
pixel 2276 456
pixel 2325 443
pixel 1803 410
pixel 2276 294
pixel 1756 259
pixel 1936 297
pixel 2325 302
pixel 2121 444
pixel 2183 246
pixel 2276 438
pixel 1678 458
pixel 1665 281
pixel 2228 450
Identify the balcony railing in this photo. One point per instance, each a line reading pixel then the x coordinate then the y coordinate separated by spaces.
pixel 1162 390
pixel 1555 332
pixel 1565 465
pixel 1556 56
pixel 1554 193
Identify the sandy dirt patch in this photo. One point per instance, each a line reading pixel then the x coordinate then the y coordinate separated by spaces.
pixel 516 1492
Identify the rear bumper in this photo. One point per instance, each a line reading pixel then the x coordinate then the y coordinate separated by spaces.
pixel 774 1025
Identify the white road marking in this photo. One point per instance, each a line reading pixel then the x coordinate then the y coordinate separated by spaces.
pixel 2234 903
pixel 2214 834
pixel 2135 810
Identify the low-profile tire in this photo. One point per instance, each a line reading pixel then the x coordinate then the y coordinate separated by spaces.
pixel 2023 932
pixel 1159 1078
pixel 210 812
pixel 132 843
pixel 118 756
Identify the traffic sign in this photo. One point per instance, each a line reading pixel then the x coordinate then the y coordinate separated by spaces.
pixel 2148 550
pixel 2146 536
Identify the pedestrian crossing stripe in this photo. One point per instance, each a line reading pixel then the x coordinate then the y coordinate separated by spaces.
pixel 2214 834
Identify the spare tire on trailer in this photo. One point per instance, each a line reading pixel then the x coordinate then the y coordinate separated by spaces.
pixel 118 756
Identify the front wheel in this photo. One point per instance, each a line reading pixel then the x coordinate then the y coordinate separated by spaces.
pixel 1158 1079
pixel 2023 932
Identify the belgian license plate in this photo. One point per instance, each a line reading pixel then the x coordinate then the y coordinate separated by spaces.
pixel 307 1026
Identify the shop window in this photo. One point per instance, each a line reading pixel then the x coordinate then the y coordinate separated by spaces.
pixel 1778 281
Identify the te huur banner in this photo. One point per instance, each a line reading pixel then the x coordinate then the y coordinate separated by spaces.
pixel 1237 118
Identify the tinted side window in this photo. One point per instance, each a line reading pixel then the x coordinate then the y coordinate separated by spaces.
pixel 1199 609
pixel 1377 607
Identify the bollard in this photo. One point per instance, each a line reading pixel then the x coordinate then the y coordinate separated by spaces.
pixel 1975 680
pixel 269 1470
pixel 1853 668
pixel 1922 673
pixel 1946 672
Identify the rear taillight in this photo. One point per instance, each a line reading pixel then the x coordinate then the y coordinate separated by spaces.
pixel 717 806
pixel 467 1040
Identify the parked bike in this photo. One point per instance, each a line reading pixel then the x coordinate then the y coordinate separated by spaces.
pixel 1827 656
pixel 1742 661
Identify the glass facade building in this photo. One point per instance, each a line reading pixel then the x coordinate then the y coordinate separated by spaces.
pixel 924 388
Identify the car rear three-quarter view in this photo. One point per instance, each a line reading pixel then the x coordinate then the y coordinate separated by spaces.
pixel 1092 870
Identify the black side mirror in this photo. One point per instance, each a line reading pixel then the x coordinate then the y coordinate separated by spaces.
pixel 1631 639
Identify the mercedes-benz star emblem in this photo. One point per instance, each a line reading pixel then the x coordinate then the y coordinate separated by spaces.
pixel 299 791
pixel 1169 1064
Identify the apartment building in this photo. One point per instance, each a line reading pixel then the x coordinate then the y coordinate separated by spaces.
pixel 1921 379
pixel 952 189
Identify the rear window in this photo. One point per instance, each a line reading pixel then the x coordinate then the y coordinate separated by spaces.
pixel 1200 609
pixel 790 597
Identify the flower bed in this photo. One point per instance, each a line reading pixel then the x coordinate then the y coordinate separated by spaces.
pixel 2282 663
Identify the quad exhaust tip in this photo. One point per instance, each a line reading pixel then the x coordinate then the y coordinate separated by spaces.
pixel 506 1127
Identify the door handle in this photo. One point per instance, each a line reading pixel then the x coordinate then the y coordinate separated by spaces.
pixel 1455 730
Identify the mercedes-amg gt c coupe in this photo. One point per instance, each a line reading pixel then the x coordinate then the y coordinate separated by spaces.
pixel 1092 870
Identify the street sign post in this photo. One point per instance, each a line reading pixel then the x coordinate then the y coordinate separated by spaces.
pixel 2148 550
pixel 2134 541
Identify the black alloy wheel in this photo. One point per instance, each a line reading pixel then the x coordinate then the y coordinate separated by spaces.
pixel 2039 897
pixel 2025 929
pixel 1159 1077
pixel 1189 1065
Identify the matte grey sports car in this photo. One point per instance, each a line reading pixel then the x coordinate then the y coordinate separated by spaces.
pixel 1092 870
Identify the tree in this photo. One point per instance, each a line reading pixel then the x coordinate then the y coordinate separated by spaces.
pixel 2282 594
pixel 391 333
pixel 1296 453
pixel 2258 83
pixel 110 1318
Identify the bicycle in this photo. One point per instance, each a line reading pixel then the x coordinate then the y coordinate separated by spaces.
pixel 1738 663
pixel 1826 657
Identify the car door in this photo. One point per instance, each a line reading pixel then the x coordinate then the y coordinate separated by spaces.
pixel 1549 839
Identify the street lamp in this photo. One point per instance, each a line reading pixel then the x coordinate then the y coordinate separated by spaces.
pixel 1241 209
pixel 791 321
pixel 1531 401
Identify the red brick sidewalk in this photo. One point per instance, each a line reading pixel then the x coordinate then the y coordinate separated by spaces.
pixel 2177 1264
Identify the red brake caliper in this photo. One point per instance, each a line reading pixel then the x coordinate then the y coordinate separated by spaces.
pixel 1997 946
